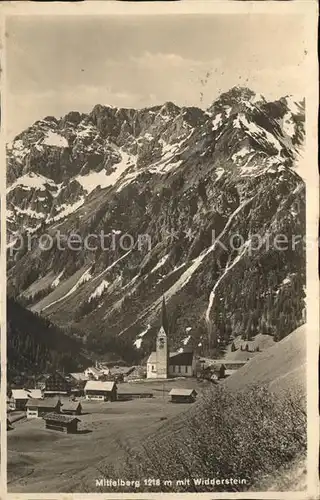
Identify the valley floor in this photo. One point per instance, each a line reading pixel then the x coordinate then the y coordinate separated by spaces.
pixel 41 460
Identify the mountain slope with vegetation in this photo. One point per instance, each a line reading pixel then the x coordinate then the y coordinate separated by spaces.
pixel 36 346
pixel 190 203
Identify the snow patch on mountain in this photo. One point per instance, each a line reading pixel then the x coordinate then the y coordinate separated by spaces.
pixel 18 150
pixel 239 155
pixel 160 263
pixel 99 290
pixel 140 336
pixel 32 181
pixel 29 212
pixel 86 276
pixel 186 340
pixel 217 121
pixel 288 125
pixel 292 105
pixel 66 209
pixel 56 140
pixel 219 173
pixel 56 281
pixel 228 267
pixel 104 179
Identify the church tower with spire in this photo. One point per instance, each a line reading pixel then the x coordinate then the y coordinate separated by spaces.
pixel 162 351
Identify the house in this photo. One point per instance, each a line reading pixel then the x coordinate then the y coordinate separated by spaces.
pixel 62 423
pixel 92 373
pixel 77 382
pixel 78 377
pixel 41 381
pixel 104 369
pixel 183 395
pixel 128 391
pixel 138 373
pixel 38 407
pixel 119 373
pixel 20 397
pixel 100 391
pixel 71 408
pixel 57 384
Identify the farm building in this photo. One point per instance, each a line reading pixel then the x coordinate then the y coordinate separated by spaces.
pixel 62 423
pixel 71 408
pixel 127 392
pixel 138 373
pixel 57 384
pixel 78 377
pixel 182 395
pixel 40 381
pixel 100 391
pixel 96 372
pixel 77 383
pixel 92 373
pixel 20 397
pixel 38 407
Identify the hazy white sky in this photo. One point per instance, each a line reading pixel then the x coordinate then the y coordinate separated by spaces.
pixel 59 64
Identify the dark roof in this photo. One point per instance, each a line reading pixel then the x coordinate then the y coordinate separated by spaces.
pixel 181 358
pixel 216 366
pixel 70 405
pixel 43 403
pixel 59 417
pixel 119 370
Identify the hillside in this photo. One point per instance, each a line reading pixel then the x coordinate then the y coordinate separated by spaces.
pixel 247 419
pixel 281 367
pixel 36 346
pixel 175 201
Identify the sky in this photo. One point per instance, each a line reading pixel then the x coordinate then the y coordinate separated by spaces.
pixel 56 64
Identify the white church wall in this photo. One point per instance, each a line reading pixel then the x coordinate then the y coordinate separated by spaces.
pixel 151 370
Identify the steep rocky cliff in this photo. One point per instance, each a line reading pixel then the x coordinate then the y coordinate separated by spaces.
pixel 191 204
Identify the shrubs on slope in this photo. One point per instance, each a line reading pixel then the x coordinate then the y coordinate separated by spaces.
pixel 247 435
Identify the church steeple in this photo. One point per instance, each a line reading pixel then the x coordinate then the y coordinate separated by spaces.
pixel 162 354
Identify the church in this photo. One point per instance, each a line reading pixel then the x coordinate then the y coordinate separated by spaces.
pixel 162 363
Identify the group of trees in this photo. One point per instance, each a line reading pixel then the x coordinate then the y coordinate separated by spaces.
pixel 35 345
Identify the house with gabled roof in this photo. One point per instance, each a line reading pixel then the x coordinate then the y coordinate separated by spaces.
pixel 62 423
pixel 179 395
pixel 20 397
pixel 97 390
pixel 57 384
pixel 38 407
pixel 71 407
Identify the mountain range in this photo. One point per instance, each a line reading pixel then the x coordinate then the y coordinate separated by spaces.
pixel 190 203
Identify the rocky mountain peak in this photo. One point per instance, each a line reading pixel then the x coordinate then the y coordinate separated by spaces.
pixel 177 175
